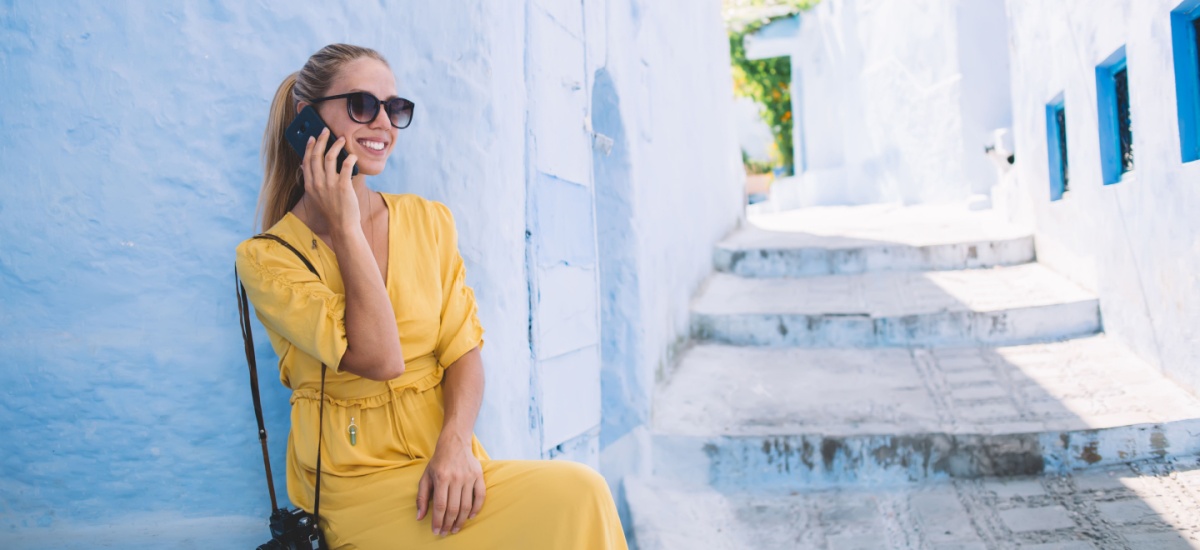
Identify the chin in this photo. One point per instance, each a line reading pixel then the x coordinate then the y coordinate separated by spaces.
pixel 371 170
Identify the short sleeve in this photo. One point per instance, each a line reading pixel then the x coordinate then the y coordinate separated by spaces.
pixel 293 302
pixel 459 330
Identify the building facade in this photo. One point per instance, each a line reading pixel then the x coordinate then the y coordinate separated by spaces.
pixel 1092 109
pixel 586 150
pixel 892 101
pixel 1104 127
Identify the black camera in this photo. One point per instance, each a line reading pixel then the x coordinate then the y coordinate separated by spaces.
pixel 294 530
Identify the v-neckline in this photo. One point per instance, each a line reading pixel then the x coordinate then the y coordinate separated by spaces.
pixel 323 247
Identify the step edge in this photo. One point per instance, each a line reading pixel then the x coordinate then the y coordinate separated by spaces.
pixel 726 246
pixel 692 309
pixel 1003 455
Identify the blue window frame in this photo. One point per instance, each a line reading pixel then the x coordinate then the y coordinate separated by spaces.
pixel 1056 147
pixel 1116 123
pixel 1185 32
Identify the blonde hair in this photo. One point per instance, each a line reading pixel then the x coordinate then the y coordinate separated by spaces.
pixel 283 181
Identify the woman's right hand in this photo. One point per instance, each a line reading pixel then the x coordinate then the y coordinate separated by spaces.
pixel 331 191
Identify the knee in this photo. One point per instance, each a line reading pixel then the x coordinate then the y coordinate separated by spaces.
pixel 582 479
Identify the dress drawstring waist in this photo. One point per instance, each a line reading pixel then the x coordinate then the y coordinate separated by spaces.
pixel 399 422
pixel 421 375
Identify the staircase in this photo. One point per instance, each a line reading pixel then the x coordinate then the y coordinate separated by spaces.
pixel 875 377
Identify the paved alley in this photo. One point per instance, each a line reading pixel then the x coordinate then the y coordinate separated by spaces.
pixel 886 377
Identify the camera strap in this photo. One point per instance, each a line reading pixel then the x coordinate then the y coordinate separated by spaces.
pixel 248 341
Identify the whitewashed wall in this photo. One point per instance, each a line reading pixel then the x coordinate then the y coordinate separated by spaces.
pixel 1134 242
pixel 670 187
pixel 132 171
pixel 754 136
pixel 895 101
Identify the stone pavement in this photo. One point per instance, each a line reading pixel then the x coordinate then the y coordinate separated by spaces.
pixel 1082 384
pixel 1150 505
pixel 883 377
pixel 802 416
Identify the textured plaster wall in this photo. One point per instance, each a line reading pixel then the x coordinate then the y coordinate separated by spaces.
pixel 1133 242
pixel 896 100
pixel 131 171
pixel 669 66
pixel 561 231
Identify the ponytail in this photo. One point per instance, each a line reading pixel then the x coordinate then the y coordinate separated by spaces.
pixel 282 179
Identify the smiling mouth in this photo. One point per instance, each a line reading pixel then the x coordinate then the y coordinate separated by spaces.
pixel 372 144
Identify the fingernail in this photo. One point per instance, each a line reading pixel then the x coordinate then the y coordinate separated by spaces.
pixel 455 531
pixel 310 139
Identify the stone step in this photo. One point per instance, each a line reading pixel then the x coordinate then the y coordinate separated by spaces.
pixel 760 417
pixel 858 239
pixel 792 256
pixel 1002 305
pixel 1141 505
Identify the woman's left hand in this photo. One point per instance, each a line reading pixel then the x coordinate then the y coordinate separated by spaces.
pixel 453 481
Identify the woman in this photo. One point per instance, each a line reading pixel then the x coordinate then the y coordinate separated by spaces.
pixel 391 317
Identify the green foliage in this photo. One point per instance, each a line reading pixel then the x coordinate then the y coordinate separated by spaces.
pixel 755 166
pixel 766 81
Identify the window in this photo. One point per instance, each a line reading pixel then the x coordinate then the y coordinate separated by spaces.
pixel 1185 34
pixel 1116 123
pixel 1056 147
pixel 1124 132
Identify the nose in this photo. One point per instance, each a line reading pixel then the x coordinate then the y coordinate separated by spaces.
pixel 381 121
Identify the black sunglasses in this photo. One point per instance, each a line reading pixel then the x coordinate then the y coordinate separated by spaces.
pixel 363 107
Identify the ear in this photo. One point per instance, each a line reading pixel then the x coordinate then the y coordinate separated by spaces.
pixel 300 105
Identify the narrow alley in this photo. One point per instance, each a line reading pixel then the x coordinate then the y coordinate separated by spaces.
pixel 891 377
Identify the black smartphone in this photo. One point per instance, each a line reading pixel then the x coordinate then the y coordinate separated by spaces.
pixel 309 124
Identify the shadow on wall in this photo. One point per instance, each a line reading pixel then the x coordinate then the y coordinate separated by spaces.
pixel 624 395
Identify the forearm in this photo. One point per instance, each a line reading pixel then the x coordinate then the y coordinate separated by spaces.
pixel 373 341
pixel 462 388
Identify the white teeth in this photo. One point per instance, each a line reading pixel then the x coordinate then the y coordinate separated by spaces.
pixel 376 145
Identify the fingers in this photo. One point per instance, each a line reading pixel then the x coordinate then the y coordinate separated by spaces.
pixel 306 162
pixel 313 160
pixel 348 166
pixel 331 164
pixel 465 507
pixel 454 494
pixel 423 490
pixel 318 168
pixel 450 496
pixel 480 490
pixel 331 158
pixel 440 503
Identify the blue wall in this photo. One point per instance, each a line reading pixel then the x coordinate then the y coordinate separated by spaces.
pixel 130 171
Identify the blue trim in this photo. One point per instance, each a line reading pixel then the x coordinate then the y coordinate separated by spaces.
pixel 1054 148
pixel 1187 77
pixel 1106 102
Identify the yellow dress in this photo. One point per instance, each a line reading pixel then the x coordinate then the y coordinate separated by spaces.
pixel 368 491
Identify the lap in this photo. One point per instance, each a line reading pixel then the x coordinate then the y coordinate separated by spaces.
pixel 525 501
